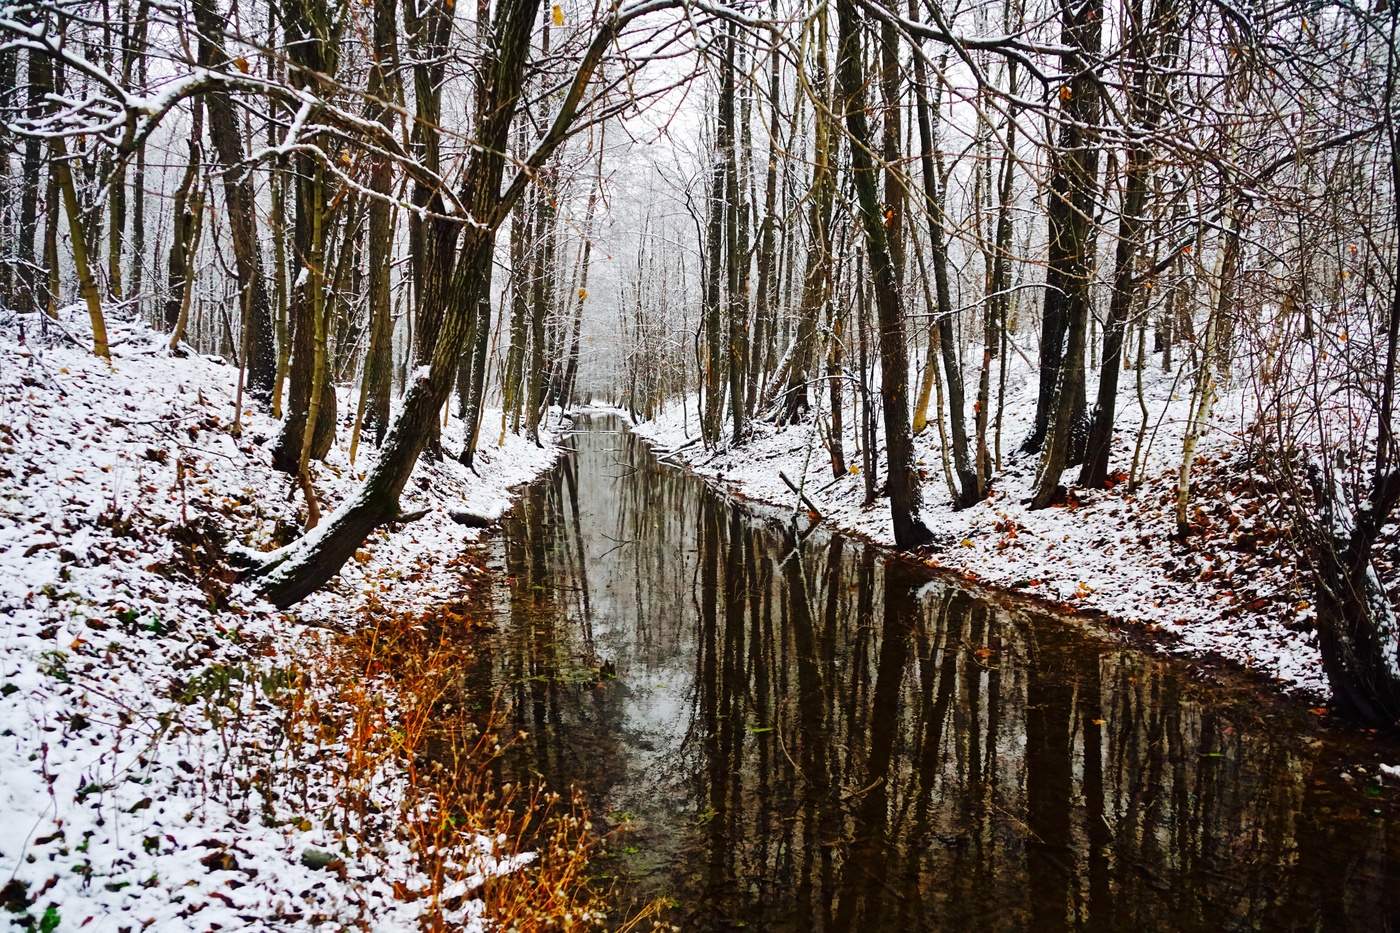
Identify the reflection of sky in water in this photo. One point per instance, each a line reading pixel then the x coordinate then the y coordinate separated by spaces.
pixel 794 754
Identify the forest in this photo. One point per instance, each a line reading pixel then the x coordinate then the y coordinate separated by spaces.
pixel 330 329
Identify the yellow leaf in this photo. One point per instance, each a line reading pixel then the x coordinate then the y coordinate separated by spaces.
pixel 855 469
pixel 582 294
pixel 558 15
pixel 967 542
pixel 1065 92
pixel 241 63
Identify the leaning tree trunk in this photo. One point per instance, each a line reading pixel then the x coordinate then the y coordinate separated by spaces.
pixel 1357 629
pixel 87 285
pixel 307 564
pixel 1358 632
pixel 969 487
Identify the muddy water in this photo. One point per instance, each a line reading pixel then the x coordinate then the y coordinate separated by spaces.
pixel 808 735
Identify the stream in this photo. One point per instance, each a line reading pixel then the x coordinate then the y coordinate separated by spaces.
pixel 809 733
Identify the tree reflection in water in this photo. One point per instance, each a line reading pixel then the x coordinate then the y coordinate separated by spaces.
pixel 802 734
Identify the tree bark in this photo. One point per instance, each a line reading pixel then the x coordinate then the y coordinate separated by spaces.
pixel 969 486
pixel 1069 275
pixel 87 285
pixel 736 262
pixel 32 287
pixel 902 481
pixel 240 200
pixel 816 277
pixel 187 215
pixel 378 363
pixel 1070 216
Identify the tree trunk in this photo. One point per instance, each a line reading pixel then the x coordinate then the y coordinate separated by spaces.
pixel 714 258
pixel 87 285
pixel 307 299
pixel 816 277
pixel 187 215
pixel 736 262
pixel 766 299
pixel 902 481
pixel 968 484
pixel 1358 632
pixel 137 277
pixel 542 288
pixel 31 287
pixel 476 390
pixel 521 245
pixel 1203 388
pixel 240 200
pixel 190 231
pixel 1069 275
pixel 999 287
pixel 1069 259
pixel 382 92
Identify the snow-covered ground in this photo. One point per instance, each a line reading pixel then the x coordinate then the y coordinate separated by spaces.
pixel 1234 590
pixel 162 742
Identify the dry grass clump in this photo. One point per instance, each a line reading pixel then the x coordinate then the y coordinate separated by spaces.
pixel 404 708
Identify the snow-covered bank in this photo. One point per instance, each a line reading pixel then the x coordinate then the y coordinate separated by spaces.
pixel 1234 590
pixel 171 751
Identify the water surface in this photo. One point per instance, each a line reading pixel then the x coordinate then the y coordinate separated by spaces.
pixel 803 733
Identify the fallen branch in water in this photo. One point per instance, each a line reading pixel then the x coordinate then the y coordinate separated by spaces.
pixel 801 495
pixel 663 458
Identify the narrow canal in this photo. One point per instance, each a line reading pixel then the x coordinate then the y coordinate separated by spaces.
pixel 812 735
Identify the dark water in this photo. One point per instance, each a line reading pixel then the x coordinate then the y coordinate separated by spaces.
pixel 813 736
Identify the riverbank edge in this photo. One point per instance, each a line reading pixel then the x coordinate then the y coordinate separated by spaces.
pixel 1302 684
pixel 164 734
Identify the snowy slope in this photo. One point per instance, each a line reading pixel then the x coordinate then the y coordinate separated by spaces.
pixel 154 776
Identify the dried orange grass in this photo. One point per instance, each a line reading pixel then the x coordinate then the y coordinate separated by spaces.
pixel 417 662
